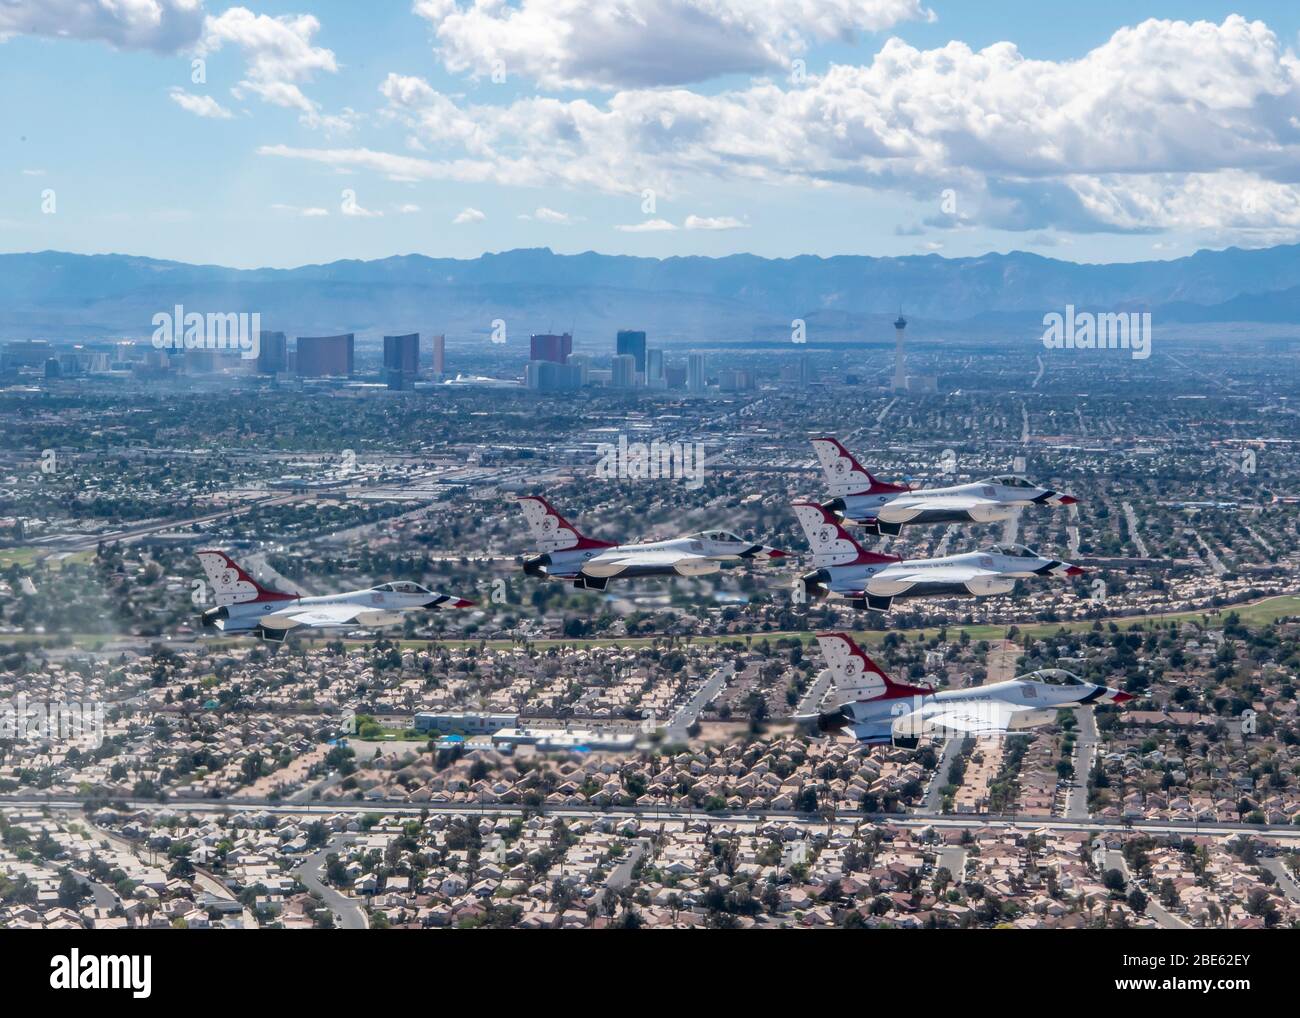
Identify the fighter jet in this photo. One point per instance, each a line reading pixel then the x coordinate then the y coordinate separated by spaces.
pixel 867 579
pixel 875 709
pixel 244 606
pixel 565 554
pixel 858 497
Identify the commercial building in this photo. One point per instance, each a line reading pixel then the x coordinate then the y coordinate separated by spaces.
pixel 654 369
pixel 623 372
pixel 546 347
pixel 401 360
pixel 463 722
pixel 633 343
pixel 439 356
pixel 696 380
pixel 322 356
pixel 547 376
pixel 272 353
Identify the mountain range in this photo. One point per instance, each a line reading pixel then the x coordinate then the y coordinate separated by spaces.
pixel 58 295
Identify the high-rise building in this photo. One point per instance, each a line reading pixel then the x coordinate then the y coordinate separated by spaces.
pixel 623 374
pixel 633 343
pixel 654 369
pixel 401 360
pixel 322 356
pixel 546 347
pixel 695 377
pixel 582 362
pixel 675 376
pixel 439 355
pixel 272 353
pixel 735 380
pixel 900 369
pixel 548 376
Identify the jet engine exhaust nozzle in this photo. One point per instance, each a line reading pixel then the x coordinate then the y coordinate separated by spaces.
pixel 537 566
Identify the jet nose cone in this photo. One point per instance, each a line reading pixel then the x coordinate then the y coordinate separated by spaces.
pixel 1075 571
pixel 462 602
pixel 1119 696
pixel 776 553
pixel 1066 499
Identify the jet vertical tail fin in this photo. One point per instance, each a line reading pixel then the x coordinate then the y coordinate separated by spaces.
pixel 845 475
pixel 550 530
pixel 856 676
pixel 231 584
pixel 831 544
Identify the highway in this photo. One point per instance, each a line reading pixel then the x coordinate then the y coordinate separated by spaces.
pixel 1281 832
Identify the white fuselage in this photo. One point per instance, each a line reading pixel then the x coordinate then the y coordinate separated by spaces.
pixel 977 502
pixel 974 573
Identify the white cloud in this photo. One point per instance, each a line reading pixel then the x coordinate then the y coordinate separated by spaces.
pixel 649 226
pixel 164 26
pixel 407 210
pixel 279 56
pixel 578 44
pixel 310 212
pixel 546 215
pixel 714 223
pixel 468 215
pixel 1165 125
pixel 199 105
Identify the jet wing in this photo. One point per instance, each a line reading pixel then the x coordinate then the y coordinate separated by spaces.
pixel 651 562
pixel 937 574
pixel 980 717
pixel 902 509
pixel 330 616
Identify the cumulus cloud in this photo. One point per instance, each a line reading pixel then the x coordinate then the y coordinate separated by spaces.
pixel 280 57
pixel 199 105
pixel 1166 125
pixel 577 44
pixel 163 26
pixel 468 215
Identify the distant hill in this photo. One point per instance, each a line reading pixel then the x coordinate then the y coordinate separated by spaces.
pixel 740 297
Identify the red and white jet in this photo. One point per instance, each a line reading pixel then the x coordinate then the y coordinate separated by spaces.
pixel 858 497
pixel 844 570
pixel 875 709
pixel 566 554
pixel 245 606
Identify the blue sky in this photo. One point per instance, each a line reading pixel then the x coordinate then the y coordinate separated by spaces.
pixel 1099 132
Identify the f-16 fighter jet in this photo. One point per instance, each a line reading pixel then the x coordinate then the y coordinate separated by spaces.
pixel 883 508
pixel 844 570
pixel 874 709
pixel 245 606
pixel 565 554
